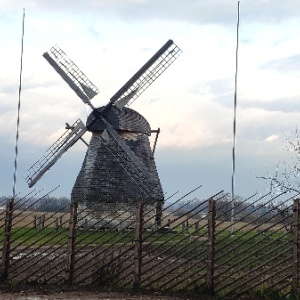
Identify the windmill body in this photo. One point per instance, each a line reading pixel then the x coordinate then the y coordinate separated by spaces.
pixel 102 178
pixel 119 166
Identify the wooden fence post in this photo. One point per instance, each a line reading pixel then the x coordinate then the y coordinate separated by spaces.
pixel 295 232
pixel 41 222
pixel 211 246
pixel 158 214
pixel 183 228
pixel 58 223
pixel 6 238
pixel 197 227
pixel 71 243
pixel 34 222
pixel 138 236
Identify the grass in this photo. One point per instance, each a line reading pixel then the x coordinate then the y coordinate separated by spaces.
pixel 235 248
pixel 50 236
pixel 30 236
pixel 241 253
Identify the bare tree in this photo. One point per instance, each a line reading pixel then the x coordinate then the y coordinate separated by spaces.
pixel 287 174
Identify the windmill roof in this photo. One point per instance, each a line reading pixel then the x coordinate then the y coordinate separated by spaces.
pixel 125 119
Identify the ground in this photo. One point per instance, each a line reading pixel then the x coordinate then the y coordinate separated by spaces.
pixel 81 295
pixel 55 293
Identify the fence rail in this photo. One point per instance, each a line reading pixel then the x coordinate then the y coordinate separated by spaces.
pixel 196 248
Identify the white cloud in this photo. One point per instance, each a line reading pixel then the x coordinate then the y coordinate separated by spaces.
pixel 272 138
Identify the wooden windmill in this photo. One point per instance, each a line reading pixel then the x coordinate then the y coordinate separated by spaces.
pixel 119 164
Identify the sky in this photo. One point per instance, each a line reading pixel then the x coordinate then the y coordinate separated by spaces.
pixel 192 102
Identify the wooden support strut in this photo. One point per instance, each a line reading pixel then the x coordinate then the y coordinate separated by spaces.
pixel 156 138
pixel 68 126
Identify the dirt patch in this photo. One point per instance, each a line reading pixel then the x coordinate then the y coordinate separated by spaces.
pixel 81 293
pixel 79 296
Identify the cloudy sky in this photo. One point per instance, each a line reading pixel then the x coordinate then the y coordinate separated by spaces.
pixel 192 102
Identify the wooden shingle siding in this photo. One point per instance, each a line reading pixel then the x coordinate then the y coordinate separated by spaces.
pixel 126 119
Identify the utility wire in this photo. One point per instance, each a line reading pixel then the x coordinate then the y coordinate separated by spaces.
pixel 234 120
pixel 19 108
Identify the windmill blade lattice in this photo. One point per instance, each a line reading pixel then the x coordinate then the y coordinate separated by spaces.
pixel 71 74
pixel 157 64
pixel 50 157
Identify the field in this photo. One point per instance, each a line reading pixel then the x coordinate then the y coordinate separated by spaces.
pixel 194 253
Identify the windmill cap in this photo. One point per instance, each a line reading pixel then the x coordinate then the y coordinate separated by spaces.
pixel 125 119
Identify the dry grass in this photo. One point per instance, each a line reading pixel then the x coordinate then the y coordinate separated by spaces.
pixel 27 218
pixel 220 225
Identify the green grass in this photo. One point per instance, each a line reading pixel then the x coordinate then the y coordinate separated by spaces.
pixel 50 236
pixel 30 236
pixel 235 248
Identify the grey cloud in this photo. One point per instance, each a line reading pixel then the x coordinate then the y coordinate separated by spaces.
pixel 223 95
pixel 221 89
pixel 286 64
pixel 285 105
pixel 9 86
pixel 269 11
pixel 218 86
pixel 212 167
pixel 219 11
pixel 12 87
pixel 194 11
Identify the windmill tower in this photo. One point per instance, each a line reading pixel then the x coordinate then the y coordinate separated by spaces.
pixel 119 164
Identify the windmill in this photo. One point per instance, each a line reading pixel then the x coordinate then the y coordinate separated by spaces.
pixel 119 164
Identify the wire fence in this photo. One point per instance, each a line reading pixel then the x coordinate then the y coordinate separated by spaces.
pixel 195 247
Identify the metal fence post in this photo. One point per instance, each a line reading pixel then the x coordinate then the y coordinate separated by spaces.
pixel 71 243
pixel 211 246
pixel 295 232
pixel 6 238
pixel 138 236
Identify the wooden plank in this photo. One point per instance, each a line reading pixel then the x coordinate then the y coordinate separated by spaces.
pixel 138 246
pixel 211 246
pixel 71 243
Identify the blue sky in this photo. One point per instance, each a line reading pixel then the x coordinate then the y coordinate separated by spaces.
pixel 192 102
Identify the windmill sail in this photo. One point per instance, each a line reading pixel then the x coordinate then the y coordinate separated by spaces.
pixel 124 100
pixel 71 74
pixel 50 157
pixel 156 65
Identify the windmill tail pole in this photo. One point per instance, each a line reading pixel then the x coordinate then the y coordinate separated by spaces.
pixel 18 111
